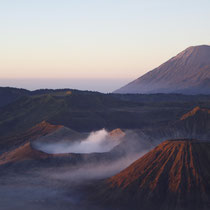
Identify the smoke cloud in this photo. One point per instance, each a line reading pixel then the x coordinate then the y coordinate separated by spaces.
pixel 63 186
pixel 95 171
pixel 98 141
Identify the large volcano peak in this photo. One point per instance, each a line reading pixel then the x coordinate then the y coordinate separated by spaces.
pixel 188 72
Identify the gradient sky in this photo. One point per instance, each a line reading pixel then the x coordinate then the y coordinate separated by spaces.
pixel 118 39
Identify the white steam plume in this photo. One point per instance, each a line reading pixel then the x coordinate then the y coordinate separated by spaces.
pixel 98 141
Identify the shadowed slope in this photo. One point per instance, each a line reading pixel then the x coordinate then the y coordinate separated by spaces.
pixel 194 111
pixel 174 175
pixel 194 124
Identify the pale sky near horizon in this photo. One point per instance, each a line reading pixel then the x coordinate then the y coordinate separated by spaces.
pixel 118 39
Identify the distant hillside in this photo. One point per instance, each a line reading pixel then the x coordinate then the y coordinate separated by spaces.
pixel 85 111
pixel 175 175
pixel 187 73
pixel 79 110
pixel 10 94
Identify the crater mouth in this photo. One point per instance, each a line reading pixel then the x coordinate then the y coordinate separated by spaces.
pixel 97 142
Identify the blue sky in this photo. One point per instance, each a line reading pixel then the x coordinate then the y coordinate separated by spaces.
pixel 96 39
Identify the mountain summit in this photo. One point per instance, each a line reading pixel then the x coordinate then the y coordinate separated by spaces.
pixel 187 73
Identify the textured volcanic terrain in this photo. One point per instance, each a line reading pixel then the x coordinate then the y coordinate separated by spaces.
pixel 188 72
pixel 42 129
pixel 195 111
pixel 174 175
pixel 24 152
pixel 194 124
pixel 28 155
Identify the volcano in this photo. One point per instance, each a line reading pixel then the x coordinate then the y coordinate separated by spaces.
pixel 174 175
pixel 30 154
pixel 39 130
pixel 186 73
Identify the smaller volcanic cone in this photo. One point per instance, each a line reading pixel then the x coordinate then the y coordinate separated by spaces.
pixel 175 175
